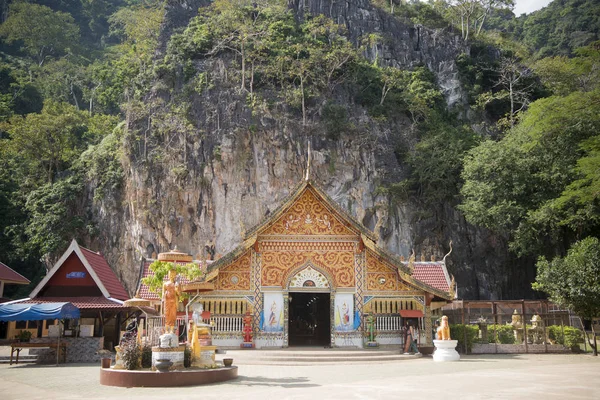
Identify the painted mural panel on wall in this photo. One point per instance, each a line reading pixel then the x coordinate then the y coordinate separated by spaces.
pixel 309 278
pixel 273 312
pixel 344 312
pixel 308 216
pixel 235 276
pixel 339 264
pixel 382 276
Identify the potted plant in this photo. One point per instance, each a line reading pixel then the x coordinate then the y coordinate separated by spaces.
pixel 23 336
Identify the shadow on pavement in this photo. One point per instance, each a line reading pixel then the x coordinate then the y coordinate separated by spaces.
pixel 264 381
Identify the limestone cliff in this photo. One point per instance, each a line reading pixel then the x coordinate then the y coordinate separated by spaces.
pixel 216 178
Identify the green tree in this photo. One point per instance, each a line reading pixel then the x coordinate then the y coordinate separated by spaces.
pixel 161 269
pixel 510 185
pixel 48 143
pixel 43 32
pixel 55 215
pixel 574 280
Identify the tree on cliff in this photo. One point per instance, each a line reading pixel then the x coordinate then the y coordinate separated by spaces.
pixel 42 31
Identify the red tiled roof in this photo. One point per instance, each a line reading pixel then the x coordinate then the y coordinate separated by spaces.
pixel 432 273
pixel 144 290
pixel 82 303
pixel 105 274
pixel 9 275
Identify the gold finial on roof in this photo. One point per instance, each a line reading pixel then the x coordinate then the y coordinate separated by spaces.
pixel 432 258
pixel 452 290
pixel 411 261
pixel 308 163
pixel 422 257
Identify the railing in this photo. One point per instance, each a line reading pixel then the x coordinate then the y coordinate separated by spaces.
pixel 388 323
pixel 227 323
pixel 219 323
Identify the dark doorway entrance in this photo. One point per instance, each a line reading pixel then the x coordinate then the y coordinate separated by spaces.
pixel 309 323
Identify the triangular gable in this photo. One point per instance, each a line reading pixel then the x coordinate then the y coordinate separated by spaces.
pixel 309 211
pixel 404 271
pixel 9 275
pixel 97 267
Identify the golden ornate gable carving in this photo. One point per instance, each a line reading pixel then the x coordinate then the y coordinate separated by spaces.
pixel 308 216
pixel 235 276
pixel 338 264
pixel 383 277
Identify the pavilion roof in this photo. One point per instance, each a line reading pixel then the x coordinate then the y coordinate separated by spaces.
pixel 433 273
pixel 9 275
pixel 82 302
pixel 96 265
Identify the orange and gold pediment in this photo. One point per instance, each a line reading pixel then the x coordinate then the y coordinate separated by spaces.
pixel 308 215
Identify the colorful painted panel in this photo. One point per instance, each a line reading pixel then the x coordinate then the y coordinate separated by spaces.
pixel 309 278
pixel 338 264
pixel 273 312
pixel 235 276
pixel 308 216
pixel 344 312
pixel 381 276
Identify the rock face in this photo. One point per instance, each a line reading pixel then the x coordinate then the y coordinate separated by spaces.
pixel 187 185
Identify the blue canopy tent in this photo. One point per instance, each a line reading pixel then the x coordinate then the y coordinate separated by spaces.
pixel 37 312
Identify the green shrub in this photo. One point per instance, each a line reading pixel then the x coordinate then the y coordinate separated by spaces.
pixel 146 356
pixel 23 336
pixel 501 334
pixel 130 353
pixel 571 337
pixel 458 331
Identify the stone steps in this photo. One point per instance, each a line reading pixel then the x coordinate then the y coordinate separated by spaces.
pixel 313 356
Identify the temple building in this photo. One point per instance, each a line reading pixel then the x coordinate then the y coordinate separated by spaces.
pixel 310 274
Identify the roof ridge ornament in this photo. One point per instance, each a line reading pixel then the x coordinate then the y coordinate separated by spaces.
pixel 444 259
pixel 411 261
pixel 306 178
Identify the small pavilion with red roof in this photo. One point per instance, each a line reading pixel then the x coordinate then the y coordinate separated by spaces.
pixel 83 278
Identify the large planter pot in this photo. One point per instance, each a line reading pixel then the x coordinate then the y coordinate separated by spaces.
pixel 105 362
pixel 163 365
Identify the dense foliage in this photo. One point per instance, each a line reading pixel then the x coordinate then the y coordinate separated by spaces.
pixel 574 280
pixel 520 153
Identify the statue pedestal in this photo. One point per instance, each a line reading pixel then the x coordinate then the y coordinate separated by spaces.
pixel 247 345
pixel 204 357
pixel 445 350
pixel 174 354
pixel 372 344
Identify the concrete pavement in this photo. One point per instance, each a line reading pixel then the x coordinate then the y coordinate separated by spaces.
pixel 474 377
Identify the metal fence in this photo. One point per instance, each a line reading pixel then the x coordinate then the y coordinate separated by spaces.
pixel 513 327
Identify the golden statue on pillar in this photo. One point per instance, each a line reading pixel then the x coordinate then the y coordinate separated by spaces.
pixel 170 296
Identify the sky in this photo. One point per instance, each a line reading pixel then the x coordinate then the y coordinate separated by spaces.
pixel 527 6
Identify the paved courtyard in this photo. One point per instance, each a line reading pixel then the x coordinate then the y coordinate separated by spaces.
pixel 474 377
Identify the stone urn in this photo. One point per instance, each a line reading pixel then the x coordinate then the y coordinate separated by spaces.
pixel 227 362
pixel 445 350
pixel 163 364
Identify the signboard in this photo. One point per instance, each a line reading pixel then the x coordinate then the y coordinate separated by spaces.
pixel 75 275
